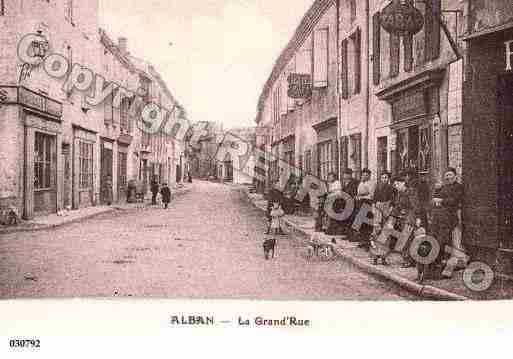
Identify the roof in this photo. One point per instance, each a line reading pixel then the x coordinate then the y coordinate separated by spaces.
pixel 115 50
pixel 310 19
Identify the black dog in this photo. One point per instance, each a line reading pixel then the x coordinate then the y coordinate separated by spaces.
pixel 269 245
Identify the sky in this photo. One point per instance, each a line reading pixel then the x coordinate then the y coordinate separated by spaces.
pixel 215 55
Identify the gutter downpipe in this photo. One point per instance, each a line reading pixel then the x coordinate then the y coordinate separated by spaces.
pixel 367 86
pixel 339 111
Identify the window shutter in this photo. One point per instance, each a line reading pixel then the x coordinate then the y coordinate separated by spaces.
pixel 344 153
pixel 283 95
pixel 395 50
pixel 321 58
pixel 357 40
pixel 315 160
pixel 432 30
pixel 334 148
pixel 408 47
pixel 376 40
pixel 343 62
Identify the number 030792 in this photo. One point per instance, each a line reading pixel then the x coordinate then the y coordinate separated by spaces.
pixel 25 343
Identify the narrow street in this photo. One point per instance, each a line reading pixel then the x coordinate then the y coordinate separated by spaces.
pixel 207 245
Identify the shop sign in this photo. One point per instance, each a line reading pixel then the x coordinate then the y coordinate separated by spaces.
pixel 300 86
pixel 39 102
pixel 409 105
pixel 509 54
pixel 401 19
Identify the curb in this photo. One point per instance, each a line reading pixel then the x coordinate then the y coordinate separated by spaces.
pixel 45 227
pixel 53 226
pixel 424 291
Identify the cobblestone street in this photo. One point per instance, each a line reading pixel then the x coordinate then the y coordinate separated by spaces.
pixel 207 245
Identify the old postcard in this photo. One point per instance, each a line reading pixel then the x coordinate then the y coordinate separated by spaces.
pixel 300 150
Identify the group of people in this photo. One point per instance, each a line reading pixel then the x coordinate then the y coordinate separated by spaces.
pixel 403 203
pixel 164 190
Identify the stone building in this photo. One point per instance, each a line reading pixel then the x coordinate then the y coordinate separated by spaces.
pixel 118 160
pixel 303 130
pixel 415 84
pixel 488 133
pixel 49 147
pixel 56 150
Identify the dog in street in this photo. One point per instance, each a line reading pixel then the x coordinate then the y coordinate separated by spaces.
pixel 269 247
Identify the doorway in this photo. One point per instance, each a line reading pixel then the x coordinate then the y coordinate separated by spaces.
pixel 67 184
pixel 505 164
pixel 106 173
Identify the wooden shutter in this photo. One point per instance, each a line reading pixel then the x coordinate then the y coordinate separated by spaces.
pixel 432 30
pixel 321 58
pixel 357 60
pixel 395 43
pixel 344 152
pixel 335 153
pixel 408 47
pixel 344 70
pixel 315 160
pixel 376 45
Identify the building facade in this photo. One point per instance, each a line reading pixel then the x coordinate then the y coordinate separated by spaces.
pixel 302 130
pixel 57 151
pixel 488 133
pixel 49 144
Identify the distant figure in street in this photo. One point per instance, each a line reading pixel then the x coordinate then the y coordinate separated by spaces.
pixel 166 195
pixel 189 177
pixel 154 190
pixel 107 191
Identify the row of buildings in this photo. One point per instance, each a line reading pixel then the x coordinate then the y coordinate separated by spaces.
pixel 399 84
pixel 204 162
pixel 57 151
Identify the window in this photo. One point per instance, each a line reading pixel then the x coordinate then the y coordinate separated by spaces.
pixel 122 170
pixel 2 7
pixel 356 41
pixel 356 154
pixel 44 161
pixel 85 160
pixel 352 9
pixel 321 57
pixel 123 116
pixel 376 48
pixel 308 162
pixel 325 159
pixel 108 110
pixel 432 30
pixel 68 11
pixel 344 88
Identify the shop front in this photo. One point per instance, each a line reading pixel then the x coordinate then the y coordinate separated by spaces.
pixel 84 148
pixel 488 149
pixel 418 139
pixel 36 123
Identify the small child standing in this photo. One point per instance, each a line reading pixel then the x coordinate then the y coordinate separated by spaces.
pixel 166 195
pixel 277 214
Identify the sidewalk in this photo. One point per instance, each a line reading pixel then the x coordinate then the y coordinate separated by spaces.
pixel 53 220
pixel 448 289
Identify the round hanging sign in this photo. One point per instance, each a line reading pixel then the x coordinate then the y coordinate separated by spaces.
pixel 401 19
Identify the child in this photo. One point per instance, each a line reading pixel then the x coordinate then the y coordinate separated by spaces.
pixel 166 195
pixel 276 214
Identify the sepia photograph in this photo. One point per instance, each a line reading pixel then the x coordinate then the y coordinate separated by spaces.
pixel 294 150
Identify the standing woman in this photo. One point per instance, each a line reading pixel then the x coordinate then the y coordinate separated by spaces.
pixel 447 200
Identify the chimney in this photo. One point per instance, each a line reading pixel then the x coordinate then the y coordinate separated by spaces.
pixel 123 45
